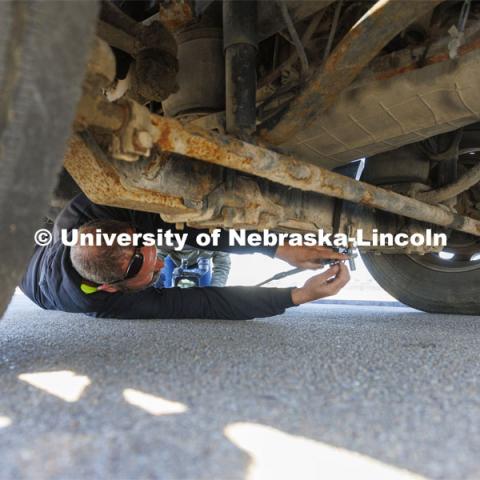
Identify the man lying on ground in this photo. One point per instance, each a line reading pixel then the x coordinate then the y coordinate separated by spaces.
pixel 117 281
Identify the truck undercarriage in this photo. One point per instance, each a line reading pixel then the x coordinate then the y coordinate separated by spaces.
pixel 249 114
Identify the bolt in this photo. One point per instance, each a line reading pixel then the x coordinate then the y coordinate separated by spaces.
pixel 143 139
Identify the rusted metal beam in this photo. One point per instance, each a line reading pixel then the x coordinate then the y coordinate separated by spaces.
pixel 101 183
pixel 184 190
pixel 224 197
pixel 203 195
pixel 385 20
pixel 403 61
pixel 172 137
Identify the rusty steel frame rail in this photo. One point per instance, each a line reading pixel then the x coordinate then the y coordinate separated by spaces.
pixel 385 20
pixel 170 136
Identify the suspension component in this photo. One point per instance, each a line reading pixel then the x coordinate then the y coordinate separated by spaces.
pixel 240 44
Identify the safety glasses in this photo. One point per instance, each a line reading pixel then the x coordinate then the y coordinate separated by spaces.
pixel 134 266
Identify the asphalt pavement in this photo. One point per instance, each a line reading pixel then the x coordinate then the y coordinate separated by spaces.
pixel 324 391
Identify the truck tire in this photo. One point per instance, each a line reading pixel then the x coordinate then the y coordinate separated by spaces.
pixel 439 283
pixel 44 49
pixel 429 284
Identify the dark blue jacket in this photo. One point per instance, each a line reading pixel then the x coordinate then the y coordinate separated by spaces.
pixel 53 284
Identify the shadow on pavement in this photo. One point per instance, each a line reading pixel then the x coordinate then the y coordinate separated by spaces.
pixel 322 390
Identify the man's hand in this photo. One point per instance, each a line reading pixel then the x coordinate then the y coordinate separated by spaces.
pixel 308 257
pixel 322 285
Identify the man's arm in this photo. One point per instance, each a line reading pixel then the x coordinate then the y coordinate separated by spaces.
pixel 221 269
pixel 226 303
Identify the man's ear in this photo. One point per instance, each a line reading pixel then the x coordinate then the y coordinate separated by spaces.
pixel 105 287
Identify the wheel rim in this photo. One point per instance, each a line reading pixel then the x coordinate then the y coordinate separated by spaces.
pixel 461 255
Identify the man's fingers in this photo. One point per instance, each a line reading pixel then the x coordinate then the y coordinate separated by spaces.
pixel 338 256
pixel 325 250
pixel 322 285
pixel 308 257
pixel 340 280
pixel 320 263
pixel 324 253
pixel 331 272
pixel 313 265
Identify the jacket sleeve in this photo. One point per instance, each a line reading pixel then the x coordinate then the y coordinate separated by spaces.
pixel 222 303
pixel 221 268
